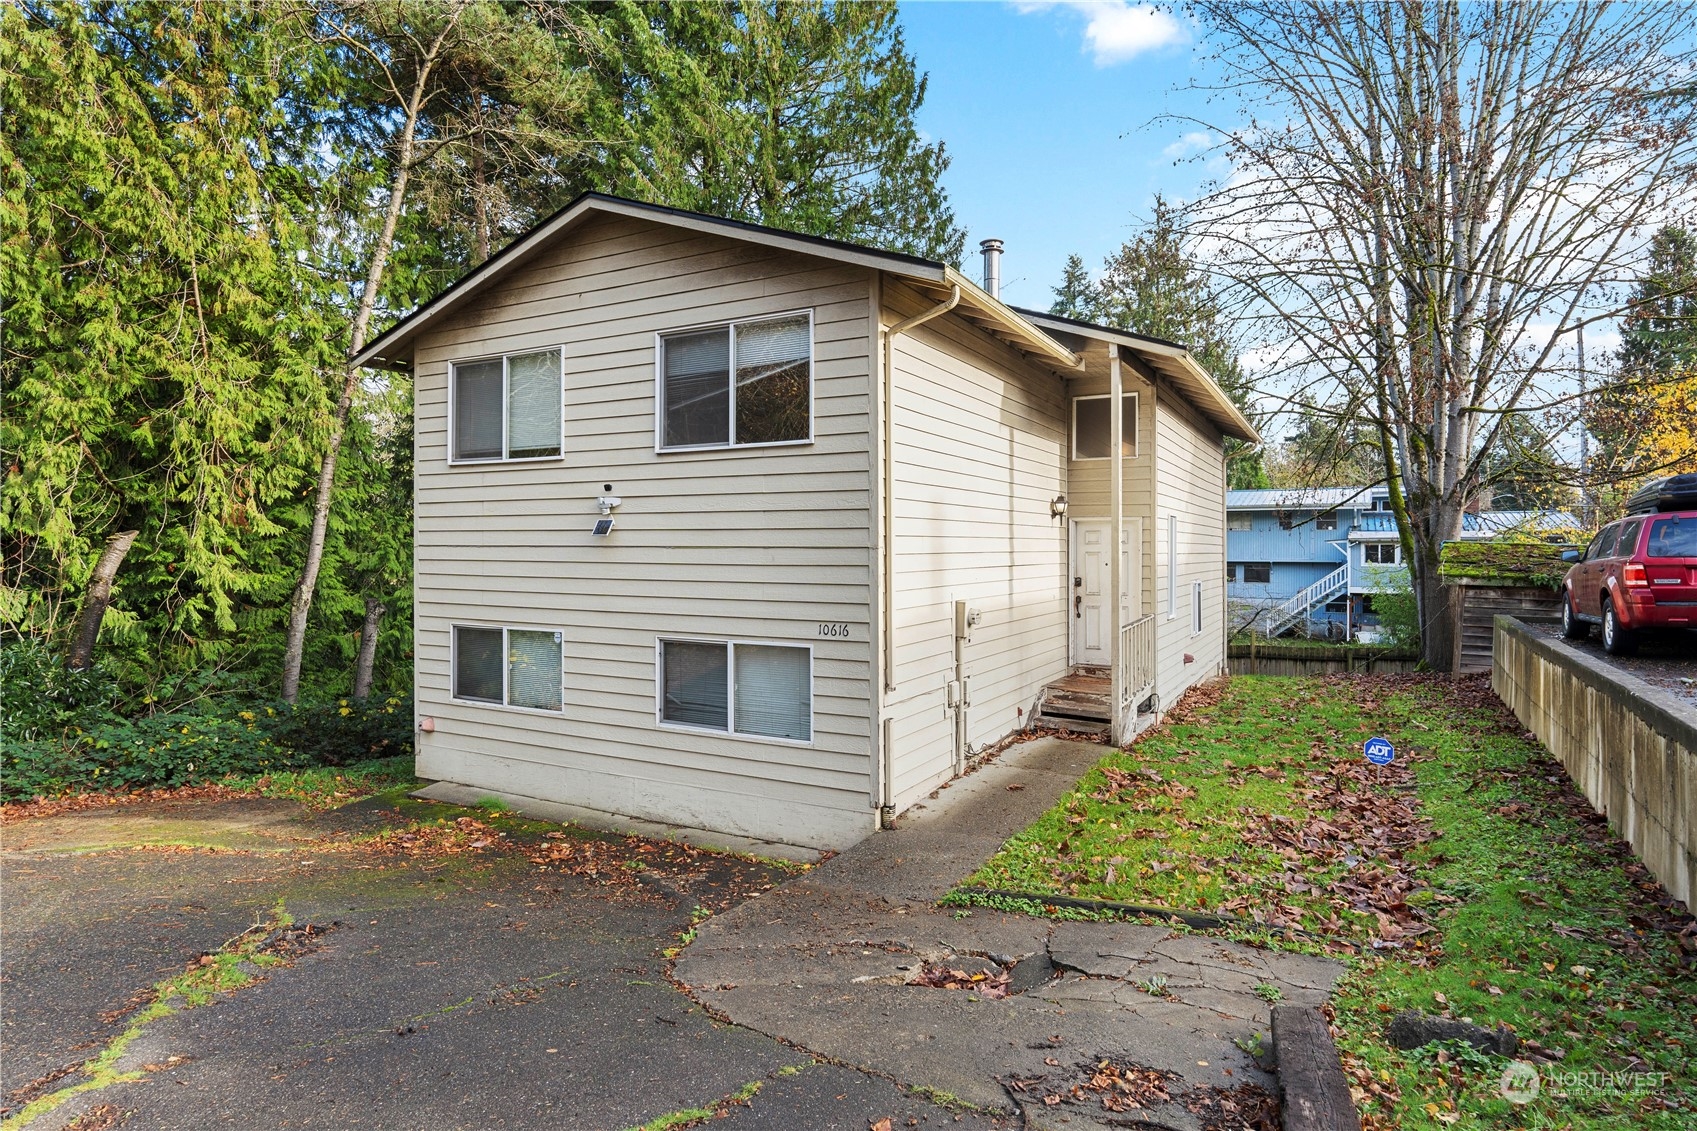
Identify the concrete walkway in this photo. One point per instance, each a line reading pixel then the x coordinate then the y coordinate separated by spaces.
pixel 826 962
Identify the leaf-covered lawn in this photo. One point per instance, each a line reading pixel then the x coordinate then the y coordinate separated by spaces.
pixel 1468 879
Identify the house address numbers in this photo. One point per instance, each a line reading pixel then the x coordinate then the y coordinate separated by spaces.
pixel 837 629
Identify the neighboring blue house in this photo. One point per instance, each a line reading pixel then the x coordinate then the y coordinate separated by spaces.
pixel 1314 556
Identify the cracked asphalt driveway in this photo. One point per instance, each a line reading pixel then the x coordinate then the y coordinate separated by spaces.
pixel 473 990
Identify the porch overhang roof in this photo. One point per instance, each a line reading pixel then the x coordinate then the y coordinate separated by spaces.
pixel 1170 360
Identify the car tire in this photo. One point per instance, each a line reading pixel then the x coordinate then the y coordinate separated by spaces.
pixel 1617 641
pixel 1571 626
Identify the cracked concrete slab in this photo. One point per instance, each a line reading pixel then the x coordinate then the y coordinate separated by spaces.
pixel 823 963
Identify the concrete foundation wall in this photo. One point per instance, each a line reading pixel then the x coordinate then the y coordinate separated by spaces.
pixel 1631 748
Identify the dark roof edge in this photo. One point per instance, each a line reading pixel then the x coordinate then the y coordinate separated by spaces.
pixel 373 349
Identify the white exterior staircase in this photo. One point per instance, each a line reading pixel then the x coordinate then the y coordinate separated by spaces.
pixel 1286 613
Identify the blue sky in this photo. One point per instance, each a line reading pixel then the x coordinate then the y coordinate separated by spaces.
pixel 1048 111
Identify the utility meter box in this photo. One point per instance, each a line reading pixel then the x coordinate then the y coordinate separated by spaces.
pixel 965 620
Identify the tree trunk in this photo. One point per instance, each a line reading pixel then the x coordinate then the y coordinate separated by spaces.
pixel 374 610
pixel 1437 617
pixel 99 596
pixel 300 605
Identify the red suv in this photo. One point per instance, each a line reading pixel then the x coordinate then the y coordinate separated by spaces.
pixel 1638 572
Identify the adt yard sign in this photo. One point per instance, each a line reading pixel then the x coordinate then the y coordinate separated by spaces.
pixel 1379 751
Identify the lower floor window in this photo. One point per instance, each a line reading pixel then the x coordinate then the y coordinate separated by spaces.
pixel 519 667
pixel 1383 553
pixel 1257 573
pixel 755 689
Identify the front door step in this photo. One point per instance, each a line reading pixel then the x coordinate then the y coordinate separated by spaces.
pixel 1080 701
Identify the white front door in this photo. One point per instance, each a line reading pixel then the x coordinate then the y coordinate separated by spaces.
pixel 1092 579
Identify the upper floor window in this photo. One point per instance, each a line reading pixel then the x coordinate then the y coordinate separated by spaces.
pixel 1092 424
pixel 1382 553
pixel 1239 521
pixel 1327 521
pixel 506 408
pixel 740 383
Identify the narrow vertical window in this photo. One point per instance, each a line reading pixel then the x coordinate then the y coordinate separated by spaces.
pixel 1195 607
pixel 1172 566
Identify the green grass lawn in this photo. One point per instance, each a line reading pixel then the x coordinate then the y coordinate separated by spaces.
pixel 326 787
pixel 1468 879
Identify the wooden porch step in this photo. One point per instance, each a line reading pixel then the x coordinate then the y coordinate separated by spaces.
pixel 1081 698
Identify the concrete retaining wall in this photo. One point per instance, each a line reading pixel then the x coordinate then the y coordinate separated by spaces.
pixel 1631 748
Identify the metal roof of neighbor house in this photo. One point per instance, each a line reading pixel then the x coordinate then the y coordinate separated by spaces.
pixel 1477 527
pixel 1021 329
pixel 1297 498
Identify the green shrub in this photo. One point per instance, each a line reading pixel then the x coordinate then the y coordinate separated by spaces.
pixel 62 734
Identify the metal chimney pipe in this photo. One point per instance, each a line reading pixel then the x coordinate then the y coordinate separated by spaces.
pixel 992 250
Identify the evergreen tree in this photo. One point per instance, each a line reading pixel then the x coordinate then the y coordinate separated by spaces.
pixel 793 113
pixel 164 332
pixel 1076 296
pixel 1152 286
pixel 1659 333
pixel 1643 417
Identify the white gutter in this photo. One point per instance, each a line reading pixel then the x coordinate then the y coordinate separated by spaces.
pixel 888 565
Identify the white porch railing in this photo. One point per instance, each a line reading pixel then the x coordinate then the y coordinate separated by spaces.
pixel 1137 662
pixel 1282 616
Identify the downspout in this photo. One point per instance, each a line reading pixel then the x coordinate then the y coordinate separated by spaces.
pixel 887 629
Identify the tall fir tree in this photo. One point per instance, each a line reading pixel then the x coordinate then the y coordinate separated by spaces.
pixel 165 331
pixel 799 114
pixel 1076 296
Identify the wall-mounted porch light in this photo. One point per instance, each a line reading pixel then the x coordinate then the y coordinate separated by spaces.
pixel 1058 506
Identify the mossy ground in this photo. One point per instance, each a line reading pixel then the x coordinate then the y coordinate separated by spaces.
pixel 1534 915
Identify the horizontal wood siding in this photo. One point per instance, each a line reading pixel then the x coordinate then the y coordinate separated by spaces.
pixel 979 437
pixel 754 544
pixel 1190 484
pixel 1089 483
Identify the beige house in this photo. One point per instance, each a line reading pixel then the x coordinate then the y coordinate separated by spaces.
pixel 767 535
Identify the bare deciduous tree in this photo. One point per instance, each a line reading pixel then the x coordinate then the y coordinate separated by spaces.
pixel 422 66
pixel 1427 199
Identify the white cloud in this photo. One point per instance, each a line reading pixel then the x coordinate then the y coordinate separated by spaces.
pixel 1115 30
pixel 1193 142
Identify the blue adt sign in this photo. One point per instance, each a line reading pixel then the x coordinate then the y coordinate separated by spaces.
pixel 1379 751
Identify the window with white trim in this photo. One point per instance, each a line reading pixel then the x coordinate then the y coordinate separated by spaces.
pixel 513 667
pixel 1195 607
pixel 1092 422
pixel 1172 566
pixel 756 689
pixel 1382 553
pixel 506 408
pixel 742 383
